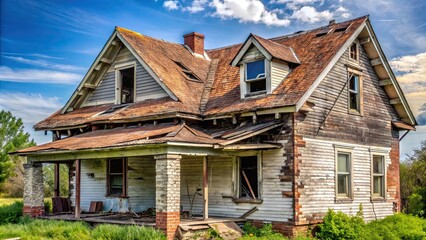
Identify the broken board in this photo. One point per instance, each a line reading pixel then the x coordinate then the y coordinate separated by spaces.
pixel 228 230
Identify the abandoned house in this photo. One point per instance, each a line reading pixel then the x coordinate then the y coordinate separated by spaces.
pixel 269 131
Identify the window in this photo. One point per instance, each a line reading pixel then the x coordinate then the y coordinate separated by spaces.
pixel 354 51
pixel 354 92
pixel 378 176
pixel 187 73
pixel 343 175
pixel 127 93
pixel 117 177
pixel 248 178
pixel 255 76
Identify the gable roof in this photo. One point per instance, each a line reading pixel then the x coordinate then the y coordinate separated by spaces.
pixel 218 91
pixel 271 50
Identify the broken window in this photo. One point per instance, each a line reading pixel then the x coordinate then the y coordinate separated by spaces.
pixel 117 177
pixel 248 177
pixel 255 76
pixel 354 92
pixel 354 51
pixel 343 174
pixel 127 91
pixel 378 176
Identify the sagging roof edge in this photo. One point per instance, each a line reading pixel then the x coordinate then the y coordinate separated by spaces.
pixel 150 145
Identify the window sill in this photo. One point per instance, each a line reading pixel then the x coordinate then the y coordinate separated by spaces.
pixel 343 200
pixel 247 200
pixel 354 112
pixel 378 200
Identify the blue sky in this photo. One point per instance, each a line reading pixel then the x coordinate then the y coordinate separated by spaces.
pixel 47 46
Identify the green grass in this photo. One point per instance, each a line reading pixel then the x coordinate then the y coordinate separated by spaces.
pixel 46 229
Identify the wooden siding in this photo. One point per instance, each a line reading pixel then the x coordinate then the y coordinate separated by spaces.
pixel 373 127
pixel 141 183
pixel 221 177
pixel 317 175
pixel 252 54
pixel 369 129
pixel 279 71
pixel 146 86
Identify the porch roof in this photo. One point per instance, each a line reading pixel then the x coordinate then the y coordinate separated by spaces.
pixel 154 134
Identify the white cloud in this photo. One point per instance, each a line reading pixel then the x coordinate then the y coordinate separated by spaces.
pixel 45 64
pixel 171 4
pixel 342 12
pixel 309 14
pixel 31 108
pixel 196 6
pixel 411 71
pixel 30 55
pixel 38 76
pixel 295 4
pixel 247 11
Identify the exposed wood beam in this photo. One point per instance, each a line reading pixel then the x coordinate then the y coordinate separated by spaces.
pixel 88 85
pixel 365 40
pixel 106 60
pixel 77 188
pixel 98 67
pixel 385 82
pixel 234 119
pixel 395 101
pixel 375 62
pixel 205 188
pixel 116 43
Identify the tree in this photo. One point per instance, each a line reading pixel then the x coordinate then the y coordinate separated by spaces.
pixel 12 138
pixel 413 181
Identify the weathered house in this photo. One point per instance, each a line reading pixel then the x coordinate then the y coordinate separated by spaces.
pixel 292 125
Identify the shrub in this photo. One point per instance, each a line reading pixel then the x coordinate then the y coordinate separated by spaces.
pixel 341 226
pixel 11 213
pixel 398 226
pixel 112 232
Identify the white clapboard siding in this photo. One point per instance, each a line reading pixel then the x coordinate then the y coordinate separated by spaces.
pixel 252 54
pixel 274 206
pixel 141 183
pixel 279 71
pixel 146 86
pixel 317 173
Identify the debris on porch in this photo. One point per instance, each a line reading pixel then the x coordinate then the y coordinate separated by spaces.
pixel 226 228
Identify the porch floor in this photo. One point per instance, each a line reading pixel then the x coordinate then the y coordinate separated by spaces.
pixel 128 219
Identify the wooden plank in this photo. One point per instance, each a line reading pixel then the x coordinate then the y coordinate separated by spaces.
pixel 106 60
pixel 248 184
pixel 375 62
pixel 385 82
pixel 365 40
pixel 395 101
pixel 205 188
pixel 227 230
pixel 77 188
pixel 250 211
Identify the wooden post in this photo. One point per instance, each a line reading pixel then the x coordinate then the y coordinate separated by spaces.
pixel 77 187
pixel 56 180
pixel 205 188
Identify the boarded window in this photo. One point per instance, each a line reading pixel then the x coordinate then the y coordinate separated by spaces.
pixel 378 176
pixel 127 93
pixel 117 177
pixel 354 92
pixel 248 172
pixel 343 174
pixel 255 76
pixel 354 51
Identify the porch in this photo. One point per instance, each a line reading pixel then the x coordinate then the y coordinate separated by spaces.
pixel 173 178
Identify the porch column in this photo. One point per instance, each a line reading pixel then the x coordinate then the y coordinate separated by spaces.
pixel 167 193
pixel 56 180
pixel 205 188
pixel 77 188
pixel 33 190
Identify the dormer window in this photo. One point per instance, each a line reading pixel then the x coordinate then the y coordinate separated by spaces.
pixel 255 76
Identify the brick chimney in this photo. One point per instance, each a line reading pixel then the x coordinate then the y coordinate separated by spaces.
pixel 195 41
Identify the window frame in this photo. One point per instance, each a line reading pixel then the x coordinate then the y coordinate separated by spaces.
pixel 237 178
pixel 348 150
pixel 124 174
pixel 382 195
pixel 249 81
pixel 359 92
pixel 118 80
pixel 356 51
